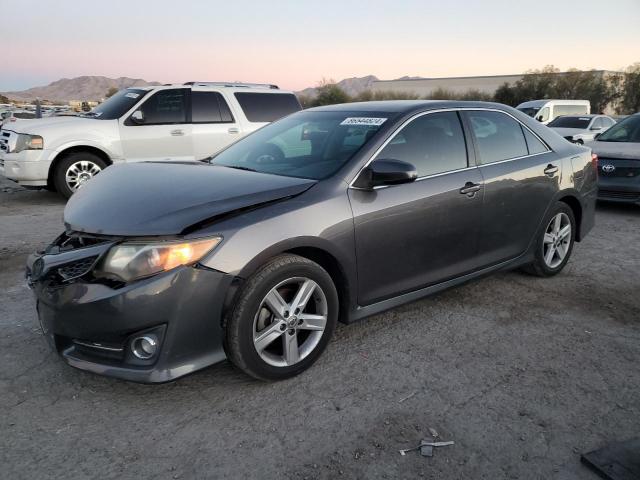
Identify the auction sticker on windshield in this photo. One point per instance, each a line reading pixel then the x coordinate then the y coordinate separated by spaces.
pixel 363 121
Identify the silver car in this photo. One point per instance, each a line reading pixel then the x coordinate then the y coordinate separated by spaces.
pixel 582 128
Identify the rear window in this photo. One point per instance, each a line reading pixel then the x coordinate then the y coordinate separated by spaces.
pixel 498 136
pixel 570 122
pixel 267 107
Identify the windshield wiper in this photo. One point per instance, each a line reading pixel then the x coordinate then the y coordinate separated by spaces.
pixel 238 167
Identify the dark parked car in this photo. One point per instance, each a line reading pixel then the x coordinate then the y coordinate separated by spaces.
pixel 618 150
pixel 330 214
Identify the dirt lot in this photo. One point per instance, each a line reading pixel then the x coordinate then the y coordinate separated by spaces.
pixel 522 373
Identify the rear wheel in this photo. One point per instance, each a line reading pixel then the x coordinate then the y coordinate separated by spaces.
pixel 555 243
pixel 283 319
pixel 75 170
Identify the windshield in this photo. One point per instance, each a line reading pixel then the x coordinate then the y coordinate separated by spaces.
pixel 570 122
pixel 531 111
pixel 628 130
pixel 117 105
pixel 307 144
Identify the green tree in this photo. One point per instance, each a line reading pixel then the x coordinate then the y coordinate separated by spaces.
pixel 329 94
pixel 630 90
pixel 506 94
pixel 111 92
pixel 585 85
pixel 370 95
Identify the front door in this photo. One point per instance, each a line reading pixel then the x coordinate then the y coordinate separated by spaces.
pixel 161 130
pixel 418 234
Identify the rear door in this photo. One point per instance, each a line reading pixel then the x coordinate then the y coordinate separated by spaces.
pixel 213 124
pixel 421 233
pixel 163 132
pixel 521 176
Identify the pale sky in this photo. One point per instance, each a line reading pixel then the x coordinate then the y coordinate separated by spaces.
pixel 298 43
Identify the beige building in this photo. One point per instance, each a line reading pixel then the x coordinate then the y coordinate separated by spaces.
pixel 425 86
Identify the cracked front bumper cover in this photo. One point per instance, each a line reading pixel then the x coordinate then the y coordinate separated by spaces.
pixel 91 325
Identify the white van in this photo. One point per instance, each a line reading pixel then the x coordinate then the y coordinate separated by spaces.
pixel 546 110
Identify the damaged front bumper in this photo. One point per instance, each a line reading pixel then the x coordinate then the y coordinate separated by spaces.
pixel 93 325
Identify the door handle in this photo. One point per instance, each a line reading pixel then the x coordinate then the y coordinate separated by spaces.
pixel 177 132
pixel 470 189
pixel 233 130
pixel 551 170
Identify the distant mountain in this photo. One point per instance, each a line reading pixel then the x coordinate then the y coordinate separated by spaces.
pixel 407 77
pixel 352 86
pixel 85 88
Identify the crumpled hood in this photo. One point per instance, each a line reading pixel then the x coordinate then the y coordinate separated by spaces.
pixel 142 199
pixel 626 150
pixel 565 132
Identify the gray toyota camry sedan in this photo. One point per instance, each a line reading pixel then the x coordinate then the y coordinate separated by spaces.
pixel 330 214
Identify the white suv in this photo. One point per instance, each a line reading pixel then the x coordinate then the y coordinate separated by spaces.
pixel 170 122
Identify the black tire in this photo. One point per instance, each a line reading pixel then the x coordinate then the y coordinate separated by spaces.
pixel 239 325
pixel 539 267
pixel 59 175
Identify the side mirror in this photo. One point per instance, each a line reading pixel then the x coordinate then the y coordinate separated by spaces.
pixel 539 118
pixel 137 117
pixel 386 172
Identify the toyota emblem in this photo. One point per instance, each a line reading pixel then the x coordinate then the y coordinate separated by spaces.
pixel 608 168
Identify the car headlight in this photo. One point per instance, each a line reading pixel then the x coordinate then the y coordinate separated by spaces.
pixel 132 260
pixel 28 142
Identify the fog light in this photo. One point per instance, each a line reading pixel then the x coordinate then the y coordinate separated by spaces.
pixel 144 347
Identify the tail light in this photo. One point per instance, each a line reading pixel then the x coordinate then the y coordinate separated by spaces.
pixel 594 162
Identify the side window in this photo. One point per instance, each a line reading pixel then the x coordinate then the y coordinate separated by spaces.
pixel 597 123
pixel 498 136
pixel 209 107
pixel 433 143
pixel 166 107
pixel 534 145
pixel 267 107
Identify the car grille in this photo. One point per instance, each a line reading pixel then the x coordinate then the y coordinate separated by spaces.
pixel 632 196
pixel 623 167
pixel 76 269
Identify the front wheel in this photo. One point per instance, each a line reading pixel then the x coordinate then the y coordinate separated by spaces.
pixel 555 243
pixel 75 170
pixel 283 318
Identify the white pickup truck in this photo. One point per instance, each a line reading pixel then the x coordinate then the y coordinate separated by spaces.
pixel 169 122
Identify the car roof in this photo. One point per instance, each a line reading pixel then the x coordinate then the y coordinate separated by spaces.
pixel 586 115
pixel 404 106
pixel 536 103
pixel 234 87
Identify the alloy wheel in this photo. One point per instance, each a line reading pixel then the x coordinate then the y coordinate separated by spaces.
pixel 81 172
pixel 290 321
pixel 557 240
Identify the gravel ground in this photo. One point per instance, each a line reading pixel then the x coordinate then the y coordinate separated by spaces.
pixel 522 373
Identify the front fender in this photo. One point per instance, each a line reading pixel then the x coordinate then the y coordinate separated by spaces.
pixel 114 154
